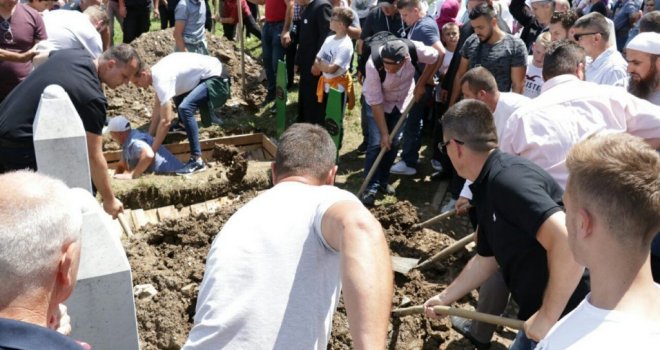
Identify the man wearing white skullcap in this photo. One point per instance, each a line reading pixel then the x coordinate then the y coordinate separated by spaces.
pixel 644 66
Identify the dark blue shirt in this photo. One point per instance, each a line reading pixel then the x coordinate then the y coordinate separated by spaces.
pixel 17 335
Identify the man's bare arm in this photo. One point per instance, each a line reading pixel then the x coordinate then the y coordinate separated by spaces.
pixel 178 36
pixel 366 271
pixel 164 122
pixel 518 79
pixel 99 170
pixel 456 85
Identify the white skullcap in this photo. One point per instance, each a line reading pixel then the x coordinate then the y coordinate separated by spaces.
pixel 647 42
pixel 117 124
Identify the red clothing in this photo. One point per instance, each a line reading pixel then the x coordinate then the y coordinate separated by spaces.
pixel 27 28
pixel 231 9
pixel 275 10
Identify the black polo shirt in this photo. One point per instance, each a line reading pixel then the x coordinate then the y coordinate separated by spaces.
pixel 17 335
pixel 513 198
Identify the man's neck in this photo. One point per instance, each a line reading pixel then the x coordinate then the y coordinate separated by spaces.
pixel 6 12
pixel 597 53
pixel 339 35
pixel 27 309
pixel 624 284
pixel 476 164
pixel 496 37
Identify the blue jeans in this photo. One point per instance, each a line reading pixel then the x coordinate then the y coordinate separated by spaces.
pixel 199 96
pixel 382 174
pixel 412 130
pixel 272 50
pixel 522 342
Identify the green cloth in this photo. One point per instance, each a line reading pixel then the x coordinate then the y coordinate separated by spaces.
pixel 219 90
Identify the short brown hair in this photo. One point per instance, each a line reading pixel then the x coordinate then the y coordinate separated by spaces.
pixel 471 122
pixel 479 78
pixel 344 15
pixel 305 149
pixel 616 177
pixel 566 18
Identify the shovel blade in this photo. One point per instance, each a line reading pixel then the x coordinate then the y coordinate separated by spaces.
pixel 403 265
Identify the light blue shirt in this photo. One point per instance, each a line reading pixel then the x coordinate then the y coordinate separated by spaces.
pixel 164 161
pixel 193 12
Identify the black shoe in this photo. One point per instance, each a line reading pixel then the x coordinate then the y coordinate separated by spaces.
pixel 368 198
pixel 362 148
pixel 462 326
pixel 193 166
pixel 177 129
pixel 439 175
pixel 389 189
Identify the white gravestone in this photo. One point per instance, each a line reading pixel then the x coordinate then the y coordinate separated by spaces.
pixel 102 307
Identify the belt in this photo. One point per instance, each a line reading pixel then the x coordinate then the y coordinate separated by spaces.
pixel 13 144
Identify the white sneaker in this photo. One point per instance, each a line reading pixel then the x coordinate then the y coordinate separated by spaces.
pixel 449 206
pixel 401 168
pixel 435 164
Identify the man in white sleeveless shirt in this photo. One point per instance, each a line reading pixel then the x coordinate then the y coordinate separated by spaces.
pixel 275 272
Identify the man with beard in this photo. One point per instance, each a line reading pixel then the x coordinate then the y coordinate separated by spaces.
pixel 644 66
pixel 504 55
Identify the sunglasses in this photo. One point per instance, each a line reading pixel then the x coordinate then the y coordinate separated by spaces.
pixel 442 146
pixel 7 36
pixel 578 36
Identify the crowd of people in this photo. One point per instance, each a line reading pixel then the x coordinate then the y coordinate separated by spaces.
pixel 545 118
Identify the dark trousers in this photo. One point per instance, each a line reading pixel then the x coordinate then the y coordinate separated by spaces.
pixel 166 19
pixel 17 158
pixel 290 53
pixel 309 109
pixel 248 23
pixel 382 174
pixel 135 23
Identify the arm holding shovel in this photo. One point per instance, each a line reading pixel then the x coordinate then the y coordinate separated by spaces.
pixel 366 271
pixel 474 274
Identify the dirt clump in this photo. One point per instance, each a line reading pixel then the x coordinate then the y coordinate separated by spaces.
pixel 233 160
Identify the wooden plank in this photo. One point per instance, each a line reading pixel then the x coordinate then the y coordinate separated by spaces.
pixel 152 216
pixel 197 209
pixel 168 212
pixel 268 146
pixel 184 212
pixel 139 219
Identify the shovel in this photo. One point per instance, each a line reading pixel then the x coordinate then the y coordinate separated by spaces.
pixel 452 311
pixel 124 225
pixel 374 166
pixel 404 265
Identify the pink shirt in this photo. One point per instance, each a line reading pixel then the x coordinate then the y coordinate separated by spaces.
pixel 570 110
pixel 397 89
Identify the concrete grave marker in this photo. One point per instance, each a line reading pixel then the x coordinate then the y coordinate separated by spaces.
pixel 102 307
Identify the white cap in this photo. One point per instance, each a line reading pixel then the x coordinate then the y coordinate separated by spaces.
pixel 534 1
pixel 648 42
pixel 117 124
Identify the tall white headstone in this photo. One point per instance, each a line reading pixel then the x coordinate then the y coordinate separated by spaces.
pixel 102 306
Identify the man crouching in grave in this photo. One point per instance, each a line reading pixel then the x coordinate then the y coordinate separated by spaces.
pixel 195 82
pixel 40 233
pixel 137 156
pixel 521 230
pixel 275 272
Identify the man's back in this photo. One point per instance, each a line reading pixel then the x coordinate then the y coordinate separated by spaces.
pixel 271 279
pixel 74 70
pixel 72 30
pixel 569 111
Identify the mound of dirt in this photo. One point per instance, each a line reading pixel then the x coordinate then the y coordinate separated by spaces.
pixel 136 103
pixel 171 257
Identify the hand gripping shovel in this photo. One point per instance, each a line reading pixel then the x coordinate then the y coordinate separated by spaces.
pixel 452 311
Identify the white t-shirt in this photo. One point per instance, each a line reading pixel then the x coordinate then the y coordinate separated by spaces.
pixel 72 30
pixel 180 72
pixel 533 79
pixel 339 52
pixel 271 280
pixel 588 327
pixel 445 62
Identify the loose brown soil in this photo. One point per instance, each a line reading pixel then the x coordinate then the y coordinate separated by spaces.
pixel 171 257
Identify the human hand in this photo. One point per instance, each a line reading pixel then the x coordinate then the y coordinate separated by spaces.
pixel 385 141
pixel 537 326
pixel 113 207
pixel 315 70
pixel 27 56
pixel 124 176
pixel 285 39
pixel 429 304
pixel 462 205
pixel 156 13
pixel 122 11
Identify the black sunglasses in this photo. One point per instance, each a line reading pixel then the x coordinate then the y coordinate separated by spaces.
pixel 7 36
pixel 442 146
pixel 578 36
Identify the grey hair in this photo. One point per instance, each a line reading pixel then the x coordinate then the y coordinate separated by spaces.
pixel 38 218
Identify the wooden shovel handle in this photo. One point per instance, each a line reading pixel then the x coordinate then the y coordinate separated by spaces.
pixel 452 311
pixel 124 224
pixel 435 219
pixel 458 245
